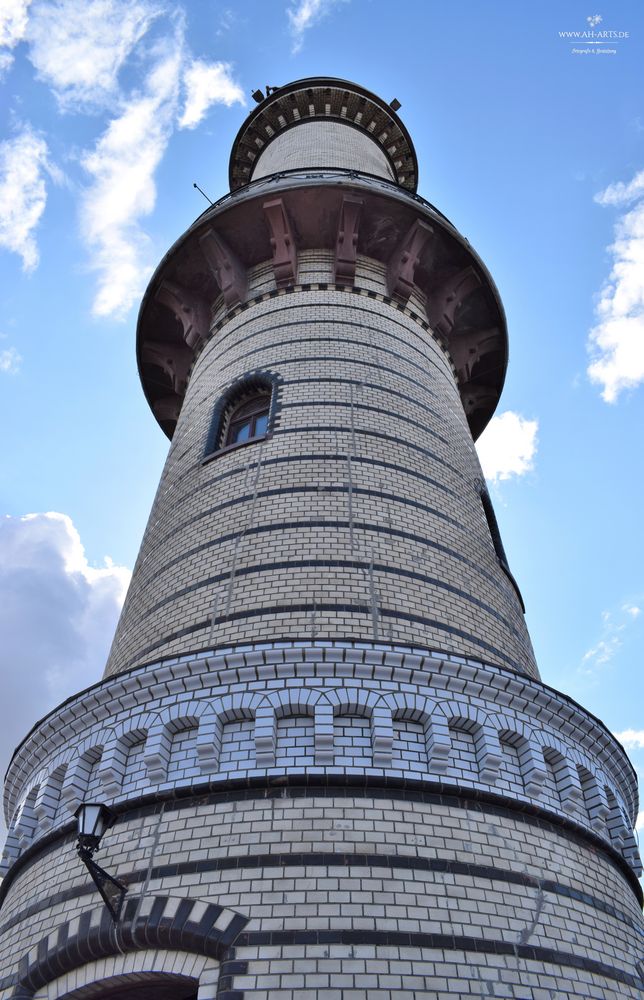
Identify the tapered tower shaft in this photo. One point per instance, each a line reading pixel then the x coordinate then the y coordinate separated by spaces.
pixel 335 769
pixel 361 513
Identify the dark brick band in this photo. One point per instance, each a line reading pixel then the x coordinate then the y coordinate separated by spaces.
pixel 335 859
pixel 361 384
pixel 393 571
pixel 314 491
pixel 344 322
pixel 73 946
pixel 339 359
pixel 322 607
pixel 378 435
pixel 445 942
pixel 345 859
pixel 390 614
pixel 357 525
pixel 67 951
pixel 320 457
pixel 275 362
pixel 365 408
pixel 391 788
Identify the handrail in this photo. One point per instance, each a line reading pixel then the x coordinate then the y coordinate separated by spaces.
pixel 322 173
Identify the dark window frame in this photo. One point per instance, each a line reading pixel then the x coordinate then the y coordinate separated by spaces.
pixel 248 411
pixel 238 396
pixel 495 534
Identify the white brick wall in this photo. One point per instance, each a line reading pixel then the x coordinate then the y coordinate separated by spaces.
pixel 323 144
pixel 321 709
pixel 404 867
pixel 340 709
pixel 359 518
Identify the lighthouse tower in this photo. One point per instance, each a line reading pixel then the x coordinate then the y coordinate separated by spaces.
pixel 334 767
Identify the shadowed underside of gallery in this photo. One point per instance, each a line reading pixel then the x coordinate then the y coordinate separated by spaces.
pixel 328 760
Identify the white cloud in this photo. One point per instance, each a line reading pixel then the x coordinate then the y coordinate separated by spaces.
pixel 304 14
pixel 10 361
pixel 78 47
pixel 6 62
pixel 57 618
pixel 613 628
pixel 639 823
pixel 507 446
pixel 620 193
pixel 603 651
pixel 616 342
pixel 13 22
pixel 631 739
pixel 122 167
pixel 207 84
pixel 23 196
pixel 227 19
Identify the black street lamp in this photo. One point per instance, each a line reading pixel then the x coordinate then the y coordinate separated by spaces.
pixel 94 819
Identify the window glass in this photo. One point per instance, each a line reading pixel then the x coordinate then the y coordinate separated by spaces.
pixel 248 419
pixel 239 432
pixel 261 424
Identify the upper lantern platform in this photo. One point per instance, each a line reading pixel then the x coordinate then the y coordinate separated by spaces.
pixel 380 145
pixel 322 164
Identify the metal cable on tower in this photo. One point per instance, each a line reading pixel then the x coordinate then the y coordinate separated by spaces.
pixel 322 759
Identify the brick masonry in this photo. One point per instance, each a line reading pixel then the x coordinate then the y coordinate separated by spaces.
pixel 343 523
pixel 416 894
pixel 335 769
pixel 331 709
pixel 323 144
pixel 500 789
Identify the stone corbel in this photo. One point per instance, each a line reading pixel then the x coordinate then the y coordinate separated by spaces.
pixel 111 770
pixel 467 349
pixel 265 736
pixel 631 853
pixel 568 785
pixel 404 260
pixel 173 360
pixel 208 745
pixel 167 407
pixel 443 303
pixel 156 755
pixel 382 736
pixel 323 734
pixel 75 783
pixel 282 243
pixel 533 770
pixel 189 309
pixel 488 753
pixel 230 274
pixel 9 854
pixel 597 805
pixel 439 745
pixel 346 245
pixel 45 808
pixel 475 397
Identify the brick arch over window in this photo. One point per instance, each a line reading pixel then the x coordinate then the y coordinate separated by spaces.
pixel 138 985
pixel 240 396
pixel 164 923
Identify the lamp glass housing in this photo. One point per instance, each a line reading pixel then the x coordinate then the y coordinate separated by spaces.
pixel 94 819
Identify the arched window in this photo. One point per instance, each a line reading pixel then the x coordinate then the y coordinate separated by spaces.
pixel 246 411
pixel 247 419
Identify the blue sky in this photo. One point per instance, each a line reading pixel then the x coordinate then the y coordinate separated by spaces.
pixel 111 109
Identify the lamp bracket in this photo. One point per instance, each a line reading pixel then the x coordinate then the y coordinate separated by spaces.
pixel 112 891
